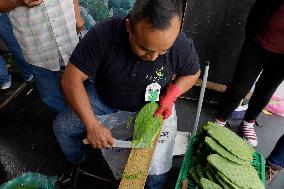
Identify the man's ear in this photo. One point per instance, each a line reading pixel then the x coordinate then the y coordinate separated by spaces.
pixel 128 26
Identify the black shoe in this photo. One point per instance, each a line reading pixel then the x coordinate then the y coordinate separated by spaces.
pixel 68 175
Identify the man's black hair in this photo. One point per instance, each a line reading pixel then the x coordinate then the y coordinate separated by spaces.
pixel 158 13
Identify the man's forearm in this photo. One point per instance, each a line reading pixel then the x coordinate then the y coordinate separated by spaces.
pixel 186 82
pixel 7 5
pixel 76 96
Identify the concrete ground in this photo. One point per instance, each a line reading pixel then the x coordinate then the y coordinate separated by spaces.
pixel 27 142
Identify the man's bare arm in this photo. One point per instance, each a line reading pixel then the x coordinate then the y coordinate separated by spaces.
pixel 186 82
pixel 7 5
pixel 78 17
pixel 77 98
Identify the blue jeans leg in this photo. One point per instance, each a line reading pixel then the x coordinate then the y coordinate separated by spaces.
pixel 48 86
pixel 277 155
pixel 155 181
pixel 4 77
pixel 7 35
pixel 69 129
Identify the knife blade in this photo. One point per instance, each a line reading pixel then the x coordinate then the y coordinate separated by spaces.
pixel 117 143
pixel 122 144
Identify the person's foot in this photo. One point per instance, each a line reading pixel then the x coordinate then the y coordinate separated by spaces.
pixel 220 122
pixel 29 79
pixel 271 171
pixel 6 85
pixel 68 175
pixel 248 132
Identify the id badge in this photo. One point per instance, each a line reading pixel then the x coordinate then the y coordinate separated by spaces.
pixel 152 92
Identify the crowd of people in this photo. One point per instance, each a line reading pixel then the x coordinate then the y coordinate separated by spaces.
pixel 109 69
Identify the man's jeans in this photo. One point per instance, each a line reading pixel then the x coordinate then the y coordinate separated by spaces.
pixel 7 35
pixel 49 89
pixel 277 155
pixel 4 77
pixel 69 131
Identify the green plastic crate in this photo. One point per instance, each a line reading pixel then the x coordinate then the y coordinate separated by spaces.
pixel 258 163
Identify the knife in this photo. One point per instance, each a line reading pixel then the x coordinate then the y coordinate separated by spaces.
pixel 117 143
pixel 122 144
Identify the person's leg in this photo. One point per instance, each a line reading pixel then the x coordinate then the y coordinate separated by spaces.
pixel 275 161
pixel 48 86
pixel 249 66
pixel 5 79
pixel 7 35
pixel 270 78
pixel 155 181
pixel 277 155
pixel 69 132
pixel 68 128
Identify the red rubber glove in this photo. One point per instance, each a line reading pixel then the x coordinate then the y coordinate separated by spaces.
pixel 167 101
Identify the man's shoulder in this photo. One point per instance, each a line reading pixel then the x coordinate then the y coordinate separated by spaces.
pixel 182 45
pixel 182 41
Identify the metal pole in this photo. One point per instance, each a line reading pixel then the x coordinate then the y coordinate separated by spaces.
pixel 201 96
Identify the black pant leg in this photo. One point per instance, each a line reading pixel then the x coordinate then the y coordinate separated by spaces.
pixel 250 62
pixel 270 78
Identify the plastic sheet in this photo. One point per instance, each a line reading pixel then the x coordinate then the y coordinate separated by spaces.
pixel 30 181
pixel 116 158
pixel 276 105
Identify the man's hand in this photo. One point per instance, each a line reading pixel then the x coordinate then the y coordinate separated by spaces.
pixel 167 101
pixel 8 5
pixel 99 136
pixel 79 23
pixel 31 3
pixel 79 20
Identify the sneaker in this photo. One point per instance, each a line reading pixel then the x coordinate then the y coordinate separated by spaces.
pixel 7 85
pixel 271 171
pixel 68 175
pixel 248 132
pixel 28 79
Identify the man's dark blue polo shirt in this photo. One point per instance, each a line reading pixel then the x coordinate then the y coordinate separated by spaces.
pixel 121 77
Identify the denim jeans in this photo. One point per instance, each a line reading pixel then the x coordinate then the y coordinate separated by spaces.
pixel 49 89
pixel 69 130
pixel 4 77
pixel 277 155
pixel 155 181
pixel 7 35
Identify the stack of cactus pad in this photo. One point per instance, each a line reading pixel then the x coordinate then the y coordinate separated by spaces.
pixel 222 160
pixel 147 126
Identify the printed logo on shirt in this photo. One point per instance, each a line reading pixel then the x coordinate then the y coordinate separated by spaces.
pixel 158 75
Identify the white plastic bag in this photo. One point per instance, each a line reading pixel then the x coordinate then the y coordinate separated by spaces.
pixel 120 129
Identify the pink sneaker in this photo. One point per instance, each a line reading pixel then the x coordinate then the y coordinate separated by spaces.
pixel 220 121
pixel 248 132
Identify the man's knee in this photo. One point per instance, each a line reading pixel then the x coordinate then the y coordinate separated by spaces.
pixel 58 126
